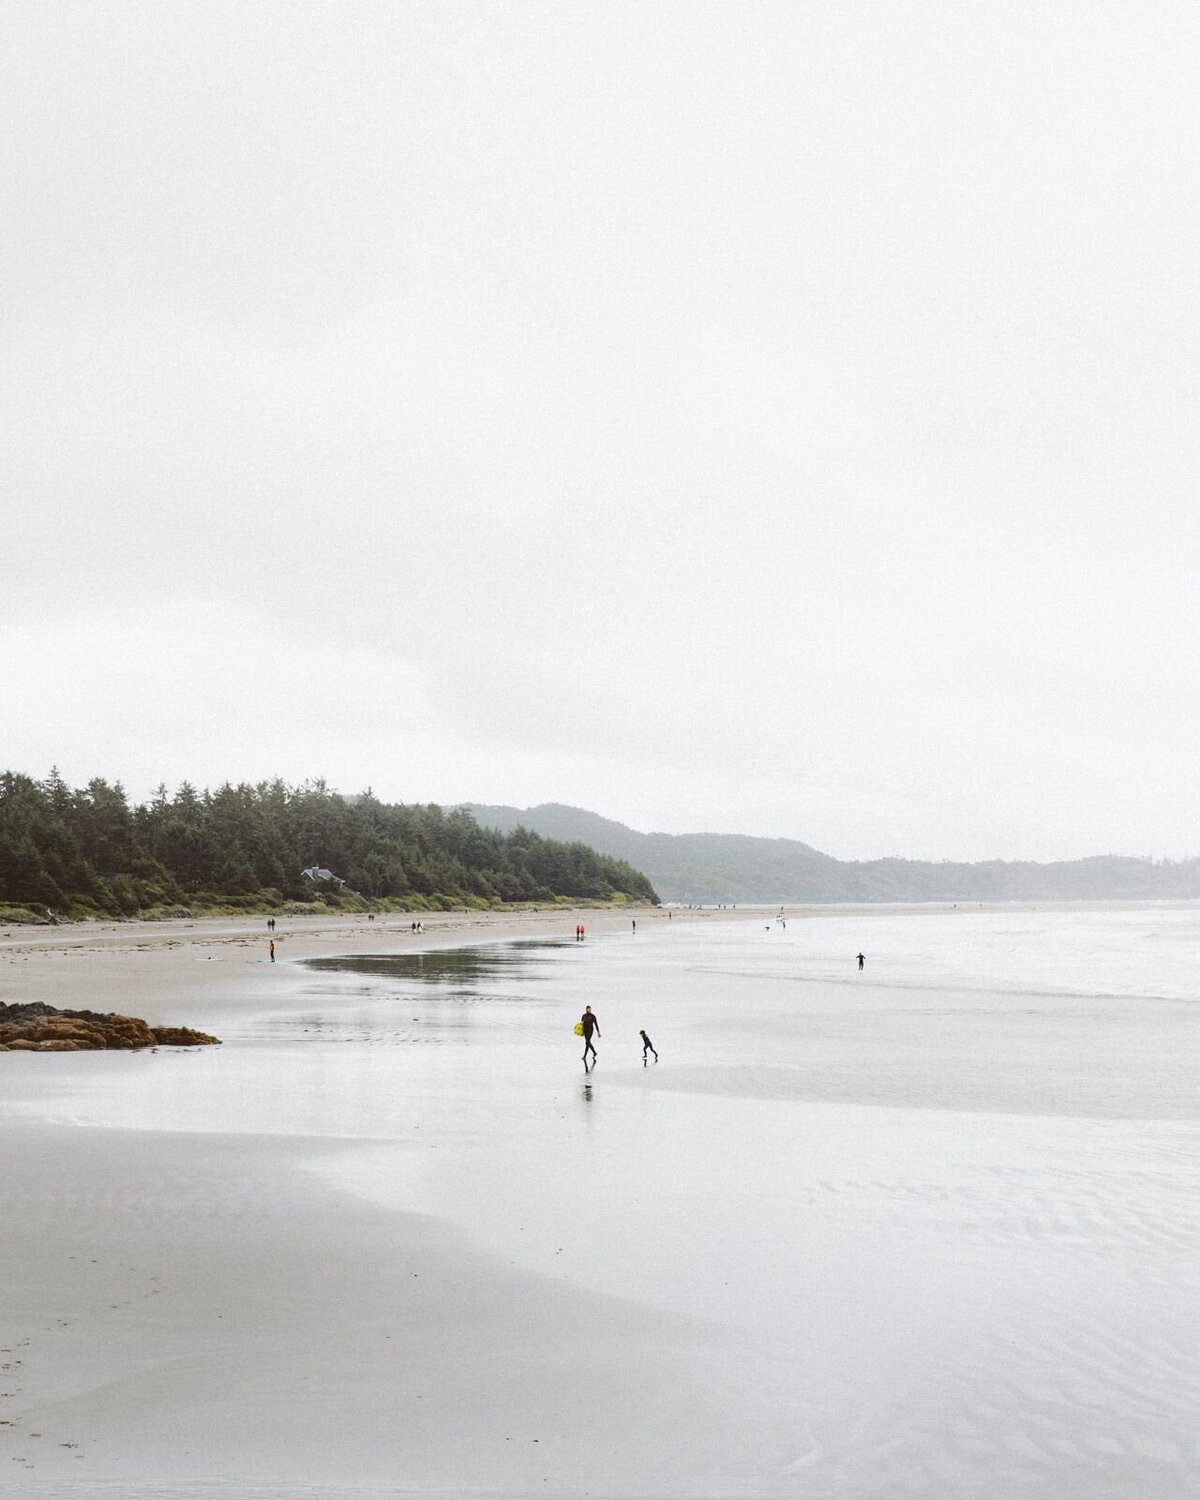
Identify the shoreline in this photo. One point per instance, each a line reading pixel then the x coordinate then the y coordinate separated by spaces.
pixel 197 971
pixel 168 972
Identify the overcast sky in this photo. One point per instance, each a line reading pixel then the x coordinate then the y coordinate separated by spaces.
pixel 750 417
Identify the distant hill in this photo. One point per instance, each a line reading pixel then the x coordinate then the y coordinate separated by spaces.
pixel 710 868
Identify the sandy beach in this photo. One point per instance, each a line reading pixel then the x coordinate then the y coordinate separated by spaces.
pixel 926 1231
pixel 125 965
pixel 184 1305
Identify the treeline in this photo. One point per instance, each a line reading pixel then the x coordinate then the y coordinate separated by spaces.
pixel 88 851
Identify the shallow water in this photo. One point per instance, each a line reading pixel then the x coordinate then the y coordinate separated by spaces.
pixel 945 1208
pixel 943 1212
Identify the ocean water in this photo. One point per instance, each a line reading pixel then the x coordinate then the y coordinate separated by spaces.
pixel 926 1230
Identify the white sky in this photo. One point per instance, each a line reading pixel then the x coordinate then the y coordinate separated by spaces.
pixel 763 418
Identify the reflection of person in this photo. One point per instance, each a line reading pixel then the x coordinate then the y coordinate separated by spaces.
pixel 647 1046
pixel 590 1024
pixel 861 960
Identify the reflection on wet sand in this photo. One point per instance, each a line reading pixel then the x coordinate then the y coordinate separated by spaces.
pixel 459 969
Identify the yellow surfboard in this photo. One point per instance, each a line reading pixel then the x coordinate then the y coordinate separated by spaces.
pixel 578 1028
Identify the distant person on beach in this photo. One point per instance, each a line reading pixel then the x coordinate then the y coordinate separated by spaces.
pixel 861 960
pixel 635 924
pixel 590 1024
pixel 647 1046
pixel 272 950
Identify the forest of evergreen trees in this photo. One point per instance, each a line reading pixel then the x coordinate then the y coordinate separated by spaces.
pixel 85 852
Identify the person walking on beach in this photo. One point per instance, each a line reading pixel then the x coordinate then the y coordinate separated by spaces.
pixel 861 960
pixel 647 1046
pixel 589 1024
pixel 272 950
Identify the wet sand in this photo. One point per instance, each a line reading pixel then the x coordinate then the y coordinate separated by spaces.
pixel 204 1311
pixel 927 1231
pixel 150 969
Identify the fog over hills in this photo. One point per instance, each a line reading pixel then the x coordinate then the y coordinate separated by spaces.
pixel 712 868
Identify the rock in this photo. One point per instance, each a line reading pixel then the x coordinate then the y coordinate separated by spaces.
pixel 182 1036
pixel 38 1027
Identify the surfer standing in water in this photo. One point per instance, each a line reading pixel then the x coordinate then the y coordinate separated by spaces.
pixel 589 1024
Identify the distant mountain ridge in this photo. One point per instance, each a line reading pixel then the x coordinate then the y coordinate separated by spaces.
pixel 711 868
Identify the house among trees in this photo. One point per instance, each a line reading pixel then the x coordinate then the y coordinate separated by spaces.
pixel 317 873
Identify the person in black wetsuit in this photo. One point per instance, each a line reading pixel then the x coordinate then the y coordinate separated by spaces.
pixel 590 1024
pixel 862 958
pixel 647 1046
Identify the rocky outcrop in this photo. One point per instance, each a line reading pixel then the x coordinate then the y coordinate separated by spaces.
pixel 42 1028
